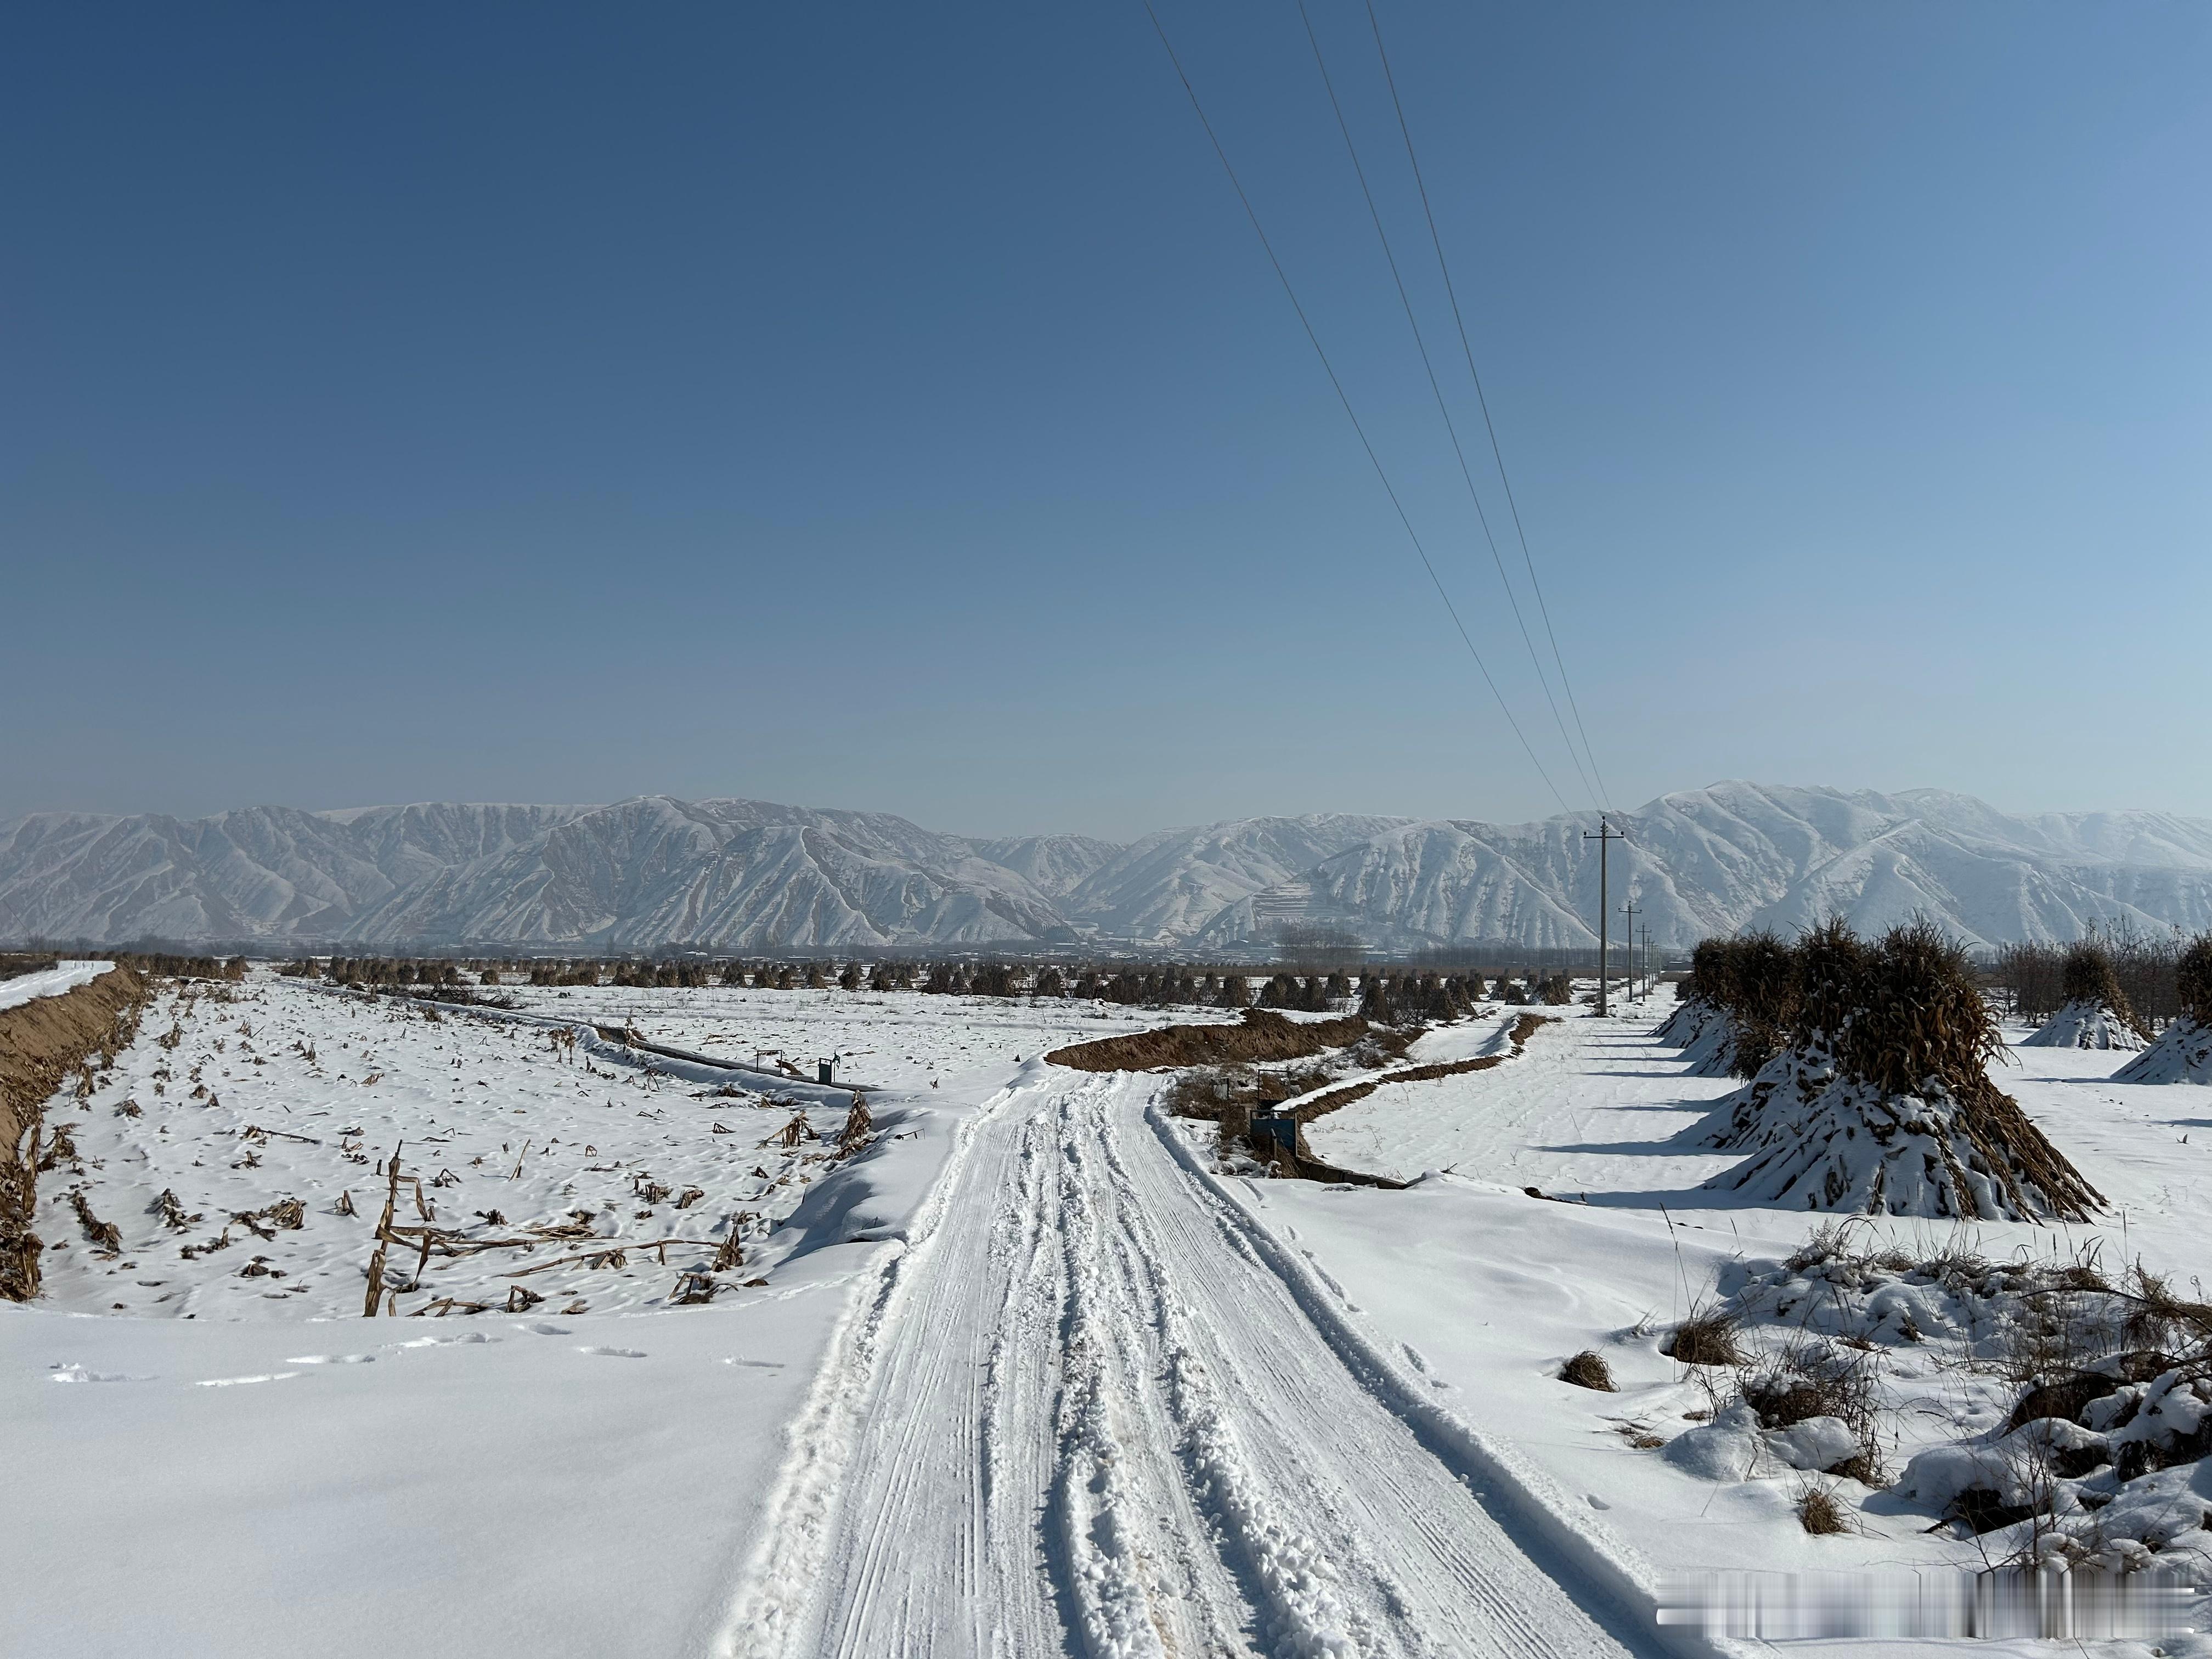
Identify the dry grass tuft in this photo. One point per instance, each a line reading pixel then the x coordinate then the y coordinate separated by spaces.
pixel 1813 1378
pixel 1707 1337
pixel 1588 1370
pixel 1819 1513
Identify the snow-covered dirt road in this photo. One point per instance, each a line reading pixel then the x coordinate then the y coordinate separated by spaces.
pixel 1094 1408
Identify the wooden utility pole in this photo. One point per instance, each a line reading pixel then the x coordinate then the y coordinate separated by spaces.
pixel 1628 939
pixel 1605 835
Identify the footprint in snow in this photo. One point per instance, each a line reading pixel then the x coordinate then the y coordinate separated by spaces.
pixel 618 1353
pixel 78 1374
pixel 760 1365
pixel 331 1359
pixel 235 1381
pixel 544 1328
pixel 466 1339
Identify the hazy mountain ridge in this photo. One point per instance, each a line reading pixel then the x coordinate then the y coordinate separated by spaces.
pixel 756 876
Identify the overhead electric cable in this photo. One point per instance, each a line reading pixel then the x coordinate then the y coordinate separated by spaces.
pixel 1327 368
pixel 1444 266
pixel 1451 427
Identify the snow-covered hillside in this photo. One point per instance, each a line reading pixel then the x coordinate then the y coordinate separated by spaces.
pixel 752 876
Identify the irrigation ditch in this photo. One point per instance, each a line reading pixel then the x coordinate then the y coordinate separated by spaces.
pixel 1209 1089
pixel 42 1041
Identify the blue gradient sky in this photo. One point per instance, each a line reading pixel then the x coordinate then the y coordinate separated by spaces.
pixel 888 406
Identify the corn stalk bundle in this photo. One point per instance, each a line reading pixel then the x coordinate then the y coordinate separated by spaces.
pixel 2096 1013
pixel 1882 1103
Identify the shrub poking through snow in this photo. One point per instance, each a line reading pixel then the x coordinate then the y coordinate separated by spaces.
pixel 1588 1370
pixel 1882 1104
pixel 1819 1398
pixel 2058 1413
pixel 1707 1337
pixel 1818 1511
pixel 2183 1052
pixel 2095 1013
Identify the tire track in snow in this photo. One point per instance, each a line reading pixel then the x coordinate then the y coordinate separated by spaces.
pixel 1096 1408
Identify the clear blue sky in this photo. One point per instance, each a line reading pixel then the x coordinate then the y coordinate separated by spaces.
pixel 888 406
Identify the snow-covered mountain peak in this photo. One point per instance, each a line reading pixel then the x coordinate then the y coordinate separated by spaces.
pixel 749 875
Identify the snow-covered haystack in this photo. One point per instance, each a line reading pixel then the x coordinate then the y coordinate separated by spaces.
pixel 2183 1052
pixel 2095 1014
pixel 1687 1018
pixel 1738 999
pixel 1881 1102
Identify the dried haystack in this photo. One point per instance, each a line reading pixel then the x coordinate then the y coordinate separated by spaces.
pixel 1704 1024
pixel 2096 1013
pixel 2183 1052
pixel 1882 1104
pixel 1690 1014
pixel 1764 1009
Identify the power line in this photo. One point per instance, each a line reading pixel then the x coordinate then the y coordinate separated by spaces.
pixel 1374 461
pixel 1451 427
pixel 1460 322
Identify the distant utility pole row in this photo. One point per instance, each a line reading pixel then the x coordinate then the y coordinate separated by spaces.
pixel 1605 835
pixel 1639 969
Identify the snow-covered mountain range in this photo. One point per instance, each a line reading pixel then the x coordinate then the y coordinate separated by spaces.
pixel 743 875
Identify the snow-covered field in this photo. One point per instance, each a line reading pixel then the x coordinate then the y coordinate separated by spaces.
pixel 263 1469
pixel 1022 1371
pixel 1497 1289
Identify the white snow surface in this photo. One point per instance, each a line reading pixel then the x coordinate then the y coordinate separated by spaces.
pixel 61 977
pixel 1030 1374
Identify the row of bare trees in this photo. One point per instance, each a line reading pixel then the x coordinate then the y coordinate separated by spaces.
pixel 1412 993
pixel 2033 981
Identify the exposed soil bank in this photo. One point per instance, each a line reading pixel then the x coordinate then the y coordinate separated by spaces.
pixel 1264 1035
pixel 1314 1169
pixel 1307 1110
pixel 41 1042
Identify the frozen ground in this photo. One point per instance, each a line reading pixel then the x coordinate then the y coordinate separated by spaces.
pixel 1026 1374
